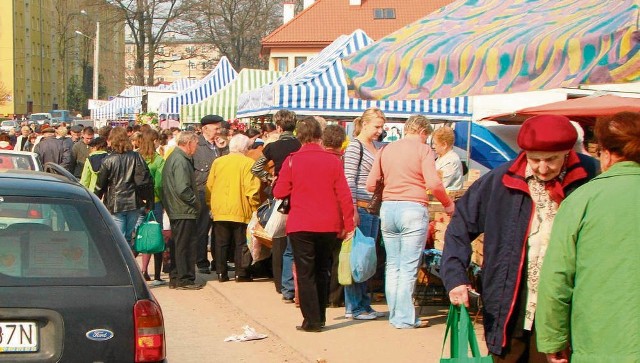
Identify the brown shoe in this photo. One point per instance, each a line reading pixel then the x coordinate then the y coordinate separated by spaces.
pixel 423 324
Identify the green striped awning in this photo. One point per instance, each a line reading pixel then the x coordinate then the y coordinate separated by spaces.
pixel 225 102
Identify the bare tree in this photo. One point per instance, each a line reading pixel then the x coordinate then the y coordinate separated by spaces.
pixel 5 94
pixel 235 27
pixel 149 22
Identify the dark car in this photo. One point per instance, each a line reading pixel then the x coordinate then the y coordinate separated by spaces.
pixel 70 289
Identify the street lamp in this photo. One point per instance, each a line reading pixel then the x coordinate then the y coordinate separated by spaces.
pixel 96 54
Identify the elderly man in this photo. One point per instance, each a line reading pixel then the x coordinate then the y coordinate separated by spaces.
pixel 209 148
pixel 50 149
pixel 233 195
pixel 23 139
pixel 180 199
pixel 514 206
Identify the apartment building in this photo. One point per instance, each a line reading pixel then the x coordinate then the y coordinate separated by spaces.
pixel 42 52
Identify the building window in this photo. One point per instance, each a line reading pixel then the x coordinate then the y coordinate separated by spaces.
pixel 175 73
pixel 388 13
pixel 281 64
pixel 299 60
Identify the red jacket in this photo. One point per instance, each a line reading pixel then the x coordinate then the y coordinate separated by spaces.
pixel 320 196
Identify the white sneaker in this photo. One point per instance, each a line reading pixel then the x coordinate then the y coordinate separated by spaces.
pixel 348 315
pixel 365 316
pixel 157 282
pixel 378 314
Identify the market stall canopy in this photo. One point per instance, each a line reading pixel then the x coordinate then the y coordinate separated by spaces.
pixel 474 47
pixel 220 76
pixel 225 102
pixel 318 87
pixel 129 101
pixel 584 109
pixel 605 105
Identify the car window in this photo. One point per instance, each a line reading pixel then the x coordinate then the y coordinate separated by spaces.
pixel 14 161
pixel 42 240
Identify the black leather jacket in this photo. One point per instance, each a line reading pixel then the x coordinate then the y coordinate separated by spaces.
pixel 124 182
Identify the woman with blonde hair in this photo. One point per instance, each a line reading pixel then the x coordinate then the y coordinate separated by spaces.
pixel 407 167
pixel 358 160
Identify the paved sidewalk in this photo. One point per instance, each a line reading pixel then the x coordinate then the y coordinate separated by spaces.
pixel 198 321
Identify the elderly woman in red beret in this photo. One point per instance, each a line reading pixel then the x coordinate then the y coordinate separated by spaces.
pixel 514 206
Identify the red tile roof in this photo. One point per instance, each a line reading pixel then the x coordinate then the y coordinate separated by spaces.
pixel 325 20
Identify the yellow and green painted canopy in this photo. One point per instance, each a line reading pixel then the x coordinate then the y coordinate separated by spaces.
pixel 474 47
pixel 225 102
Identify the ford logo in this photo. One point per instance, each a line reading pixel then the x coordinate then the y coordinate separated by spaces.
pixel 99 335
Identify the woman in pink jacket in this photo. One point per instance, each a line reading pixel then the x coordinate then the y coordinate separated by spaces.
pixel 408 169
pixel 321 210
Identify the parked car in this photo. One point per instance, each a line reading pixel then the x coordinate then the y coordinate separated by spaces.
pixel 69 285
pixel 40 118
pixel 13 159
pixel 7 125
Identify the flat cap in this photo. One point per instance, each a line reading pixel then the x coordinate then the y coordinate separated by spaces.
pixel 76 128
pixel 211 119
pixel 48 130
pixel 547 133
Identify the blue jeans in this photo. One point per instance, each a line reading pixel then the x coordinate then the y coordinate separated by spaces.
pixel 356 299
pixel 288 287
pixel 404 229
pixel 128 221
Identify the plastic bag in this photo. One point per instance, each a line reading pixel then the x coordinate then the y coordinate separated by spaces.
pixel 363 257
pixel 277 224
pixel 344 266
pixel 149 236
pixel 258 250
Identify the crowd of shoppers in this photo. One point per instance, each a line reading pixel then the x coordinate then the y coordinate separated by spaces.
pixel 542 214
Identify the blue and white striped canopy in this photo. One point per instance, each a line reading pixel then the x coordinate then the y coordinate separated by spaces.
pixel 129 101
pixel 318 87
pixel 219 77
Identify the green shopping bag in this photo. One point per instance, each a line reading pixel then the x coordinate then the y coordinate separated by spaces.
pixel 462 336
pixel 149 236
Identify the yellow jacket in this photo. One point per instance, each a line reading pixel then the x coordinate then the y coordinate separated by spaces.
pixel 232 191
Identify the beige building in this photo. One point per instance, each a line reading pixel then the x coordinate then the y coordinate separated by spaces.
pixel 175 59
pixel 42 52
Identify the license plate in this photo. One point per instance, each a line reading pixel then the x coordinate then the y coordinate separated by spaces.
pixel 19 336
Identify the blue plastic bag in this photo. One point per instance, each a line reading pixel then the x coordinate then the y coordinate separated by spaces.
pixel 363 257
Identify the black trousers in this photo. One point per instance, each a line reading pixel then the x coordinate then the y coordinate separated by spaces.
pixel 231 236
pixel 312 256
pixel 183 255
pixel 278 246
pixel 205 234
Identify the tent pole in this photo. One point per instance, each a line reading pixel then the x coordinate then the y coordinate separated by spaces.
pixel 469 145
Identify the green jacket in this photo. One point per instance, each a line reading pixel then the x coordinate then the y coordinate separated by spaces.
pixel 90 169
pixel 156 164
pixel 179 193
pixel 589 285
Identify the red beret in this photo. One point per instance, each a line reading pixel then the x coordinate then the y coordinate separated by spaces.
pixel 547 133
